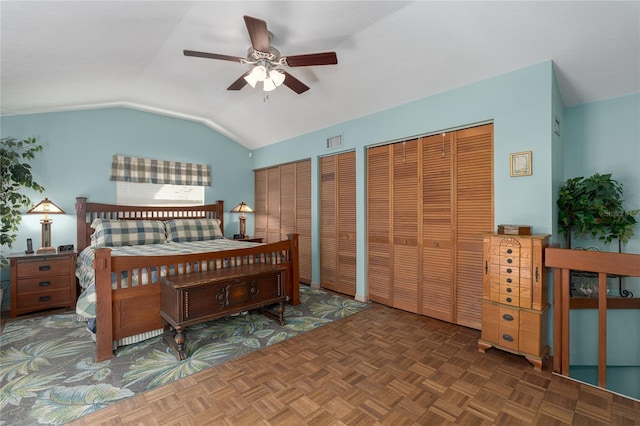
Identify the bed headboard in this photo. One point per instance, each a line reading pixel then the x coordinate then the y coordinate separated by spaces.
pixel 87 212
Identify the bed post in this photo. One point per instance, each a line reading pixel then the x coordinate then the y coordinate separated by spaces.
pixel 81 223
pixel 295 272
pixel 220 204
pixel 104 312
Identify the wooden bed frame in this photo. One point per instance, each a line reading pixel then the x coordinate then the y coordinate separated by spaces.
pixel 132 310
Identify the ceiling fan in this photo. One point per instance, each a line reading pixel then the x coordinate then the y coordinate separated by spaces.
pixel 267 62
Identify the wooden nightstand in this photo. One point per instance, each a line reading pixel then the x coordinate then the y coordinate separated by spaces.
pixel 251 240
pixel 42 281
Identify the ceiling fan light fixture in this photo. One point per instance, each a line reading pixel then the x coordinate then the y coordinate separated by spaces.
pixel 269 85
pixel 251 80
pixel 259 72
pixel 277 77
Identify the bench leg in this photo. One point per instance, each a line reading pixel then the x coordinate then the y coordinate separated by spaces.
pixel 176 340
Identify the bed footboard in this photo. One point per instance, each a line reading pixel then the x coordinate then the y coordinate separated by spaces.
pixel 125 308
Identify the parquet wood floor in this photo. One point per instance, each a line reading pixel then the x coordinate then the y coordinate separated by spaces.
pixel 379 367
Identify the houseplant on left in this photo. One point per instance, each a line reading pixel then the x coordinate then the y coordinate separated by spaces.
pixel 15 177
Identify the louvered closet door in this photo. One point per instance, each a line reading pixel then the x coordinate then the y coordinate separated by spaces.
pixel 287 200
pixel 273 205
pixel 346 223
pixel 406 258
pixel 379 214
pixel 328 225
pixel 260 201
pixel 474 217
pixel 437 230
pixel 303 218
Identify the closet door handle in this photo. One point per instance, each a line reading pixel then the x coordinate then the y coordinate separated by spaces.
pixel 537 274
pixel 486 267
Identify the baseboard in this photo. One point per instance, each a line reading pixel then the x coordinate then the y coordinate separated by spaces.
pixel 360 298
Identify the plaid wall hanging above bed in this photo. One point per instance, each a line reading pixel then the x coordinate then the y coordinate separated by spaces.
pixel 146 170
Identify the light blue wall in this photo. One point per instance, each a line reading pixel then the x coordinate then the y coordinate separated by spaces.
pixel 604 137
pixel 76 161
pixel 518 103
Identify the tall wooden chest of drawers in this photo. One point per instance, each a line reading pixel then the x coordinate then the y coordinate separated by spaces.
pixel 514 296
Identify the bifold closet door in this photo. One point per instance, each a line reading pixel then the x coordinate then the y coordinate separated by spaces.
pixel 338 223
pixel 379 224
pixel 283 206
pixel 273 203
pixel 473 218
pixel 303 218
pixel 406 260
pixel 437 227
pixel 429 203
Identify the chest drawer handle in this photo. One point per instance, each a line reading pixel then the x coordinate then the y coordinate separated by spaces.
pixel 45 298
pixel 509 260
pixel 509 280
pixel 509 270
pixel 509 251
pixel 44 268
pixel 507 337
pixel 509 299
pixel 509 289
pixel 507 317
pixel 44 283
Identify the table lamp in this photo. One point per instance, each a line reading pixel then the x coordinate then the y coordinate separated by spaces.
pixel 46 207
pixel 242 208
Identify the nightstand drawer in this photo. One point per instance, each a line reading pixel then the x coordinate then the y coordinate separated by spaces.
pixel 32 285
pixel 43 267
pixel 43 300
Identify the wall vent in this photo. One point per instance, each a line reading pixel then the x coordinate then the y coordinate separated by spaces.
pixel 334 142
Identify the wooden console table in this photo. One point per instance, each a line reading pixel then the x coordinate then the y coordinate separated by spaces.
pixel 193 298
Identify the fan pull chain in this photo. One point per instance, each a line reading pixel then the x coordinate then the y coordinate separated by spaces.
pixel 443 144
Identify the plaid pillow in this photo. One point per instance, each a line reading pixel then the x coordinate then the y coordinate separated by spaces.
pixel 111 233
pixel 184 230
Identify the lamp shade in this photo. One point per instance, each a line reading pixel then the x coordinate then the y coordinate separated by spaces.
pixel 46 207
pixel 242 208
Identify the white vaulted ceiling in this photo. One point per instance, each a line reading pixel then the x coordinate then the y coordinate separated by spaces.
pixel 66 55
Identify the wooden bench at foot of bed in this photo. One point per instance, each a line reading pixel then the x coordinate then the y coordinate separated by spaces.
pixel 198 297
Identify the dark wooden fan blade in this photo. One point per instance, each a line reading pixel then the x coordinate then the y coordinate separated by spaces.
pixel 239 83
pixel 325 58
pixel 213 56
pixel 294 84
pixel 258 33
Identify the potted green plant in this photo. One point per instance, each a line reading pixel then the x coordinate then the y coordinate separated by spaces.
pixel 593 206
pixel 15 177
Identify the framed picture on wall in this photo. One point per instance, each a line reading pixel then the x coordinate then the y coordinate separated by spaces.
pixel 520 163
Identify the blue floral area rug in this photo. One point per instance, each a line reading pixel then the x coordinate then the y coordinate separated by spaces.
pixel 49 375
